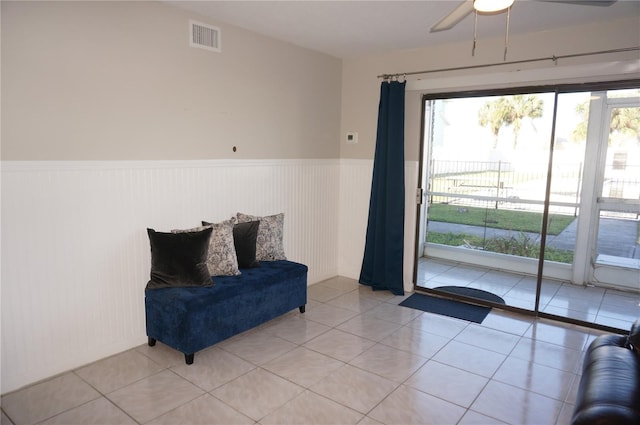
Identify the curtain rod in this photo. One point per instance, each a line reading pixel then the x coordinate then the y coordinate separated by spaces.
pixel 549 58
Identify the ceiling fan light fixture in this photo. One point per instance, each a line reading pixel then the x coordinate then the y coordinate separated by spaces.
pixel 491 6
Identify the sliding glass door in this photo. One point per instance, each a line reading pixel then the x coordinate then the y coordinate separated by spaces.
pixel 498 165
pixel 617 254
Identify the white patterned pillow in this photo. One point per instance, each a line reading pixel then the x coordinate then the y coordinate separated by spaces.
pixel 269 241
pixel 221 258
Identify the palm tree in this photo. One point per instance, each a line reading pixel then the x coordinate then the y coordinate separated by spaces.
pixel 623 121
pixel 580 132
pixel 494 115
pixel 509 110
pixel 626 121
pixel 523 107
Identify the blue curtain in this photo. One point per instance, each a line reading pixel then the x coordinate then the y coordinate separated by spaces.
pixel 384 246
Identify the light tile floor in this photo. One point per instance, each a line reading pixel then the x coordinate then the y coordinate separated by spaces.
pixel 609 307
pixel 355 357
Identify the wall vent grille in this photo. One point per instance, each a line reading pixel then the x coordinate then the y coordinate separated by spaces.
pixel 204 36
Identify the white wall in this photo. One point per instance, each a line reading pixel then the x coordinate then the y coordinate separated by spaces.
pixel 118 80
pixel 111 124
pixel 75 257
pixel 360 85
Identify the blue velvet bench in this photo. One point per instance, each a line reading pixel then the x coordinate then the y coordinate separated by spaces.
pixel 190 319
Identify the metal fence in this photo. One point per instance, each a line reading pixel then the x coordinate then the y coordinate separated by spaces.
pixel 500 184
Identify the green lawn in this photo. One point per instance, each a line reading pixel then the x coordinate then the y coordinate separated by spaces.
pixel 512 245
pixel 517 221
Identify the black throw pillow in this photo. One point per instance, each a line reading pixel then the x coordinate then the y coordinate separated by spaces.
pixel 244 240
pixel 179 259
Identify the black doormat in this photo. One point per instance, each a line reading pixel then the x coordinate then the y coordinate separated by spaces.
pixel 472 293
pixel 453 308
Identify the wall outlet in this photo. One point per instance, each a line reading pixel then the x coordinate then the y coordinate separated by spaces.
pixel 352 138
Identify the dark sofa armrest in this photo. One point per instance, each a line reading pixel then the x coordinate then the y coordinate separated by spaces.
pixel 634 337
pixel 609 391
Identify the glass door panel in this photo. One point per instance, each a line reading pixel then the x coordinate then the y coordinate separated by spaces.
pixel 605 276
pixel 486 178
pixel 616 261
pixel 492 176
pixel 558 295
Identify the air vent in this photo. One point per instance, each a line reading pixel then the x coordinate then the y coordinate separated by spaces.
pixel 204 36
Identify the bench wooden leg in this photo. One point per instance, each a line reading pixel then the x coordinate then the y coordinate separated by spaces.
pixel 188 358
pixel 302 308
pixel 152 342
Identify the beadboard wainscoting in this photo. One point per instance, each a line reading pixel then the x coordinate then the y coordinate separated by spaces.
pixel 75 253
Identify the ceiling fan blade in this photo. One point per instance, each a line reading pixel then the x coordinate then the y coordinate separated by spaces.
pixel 456 15
pixel 601 3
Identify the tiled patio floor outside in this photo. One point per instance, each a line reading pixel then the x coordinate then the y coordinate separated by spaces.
pixel 609 307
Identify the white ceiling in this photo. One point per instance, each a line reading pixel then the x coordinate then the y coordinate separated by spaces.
pixel 352 28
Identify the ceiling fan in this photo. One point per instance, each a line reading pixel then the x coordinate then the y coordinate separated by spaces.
pixel 497 6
